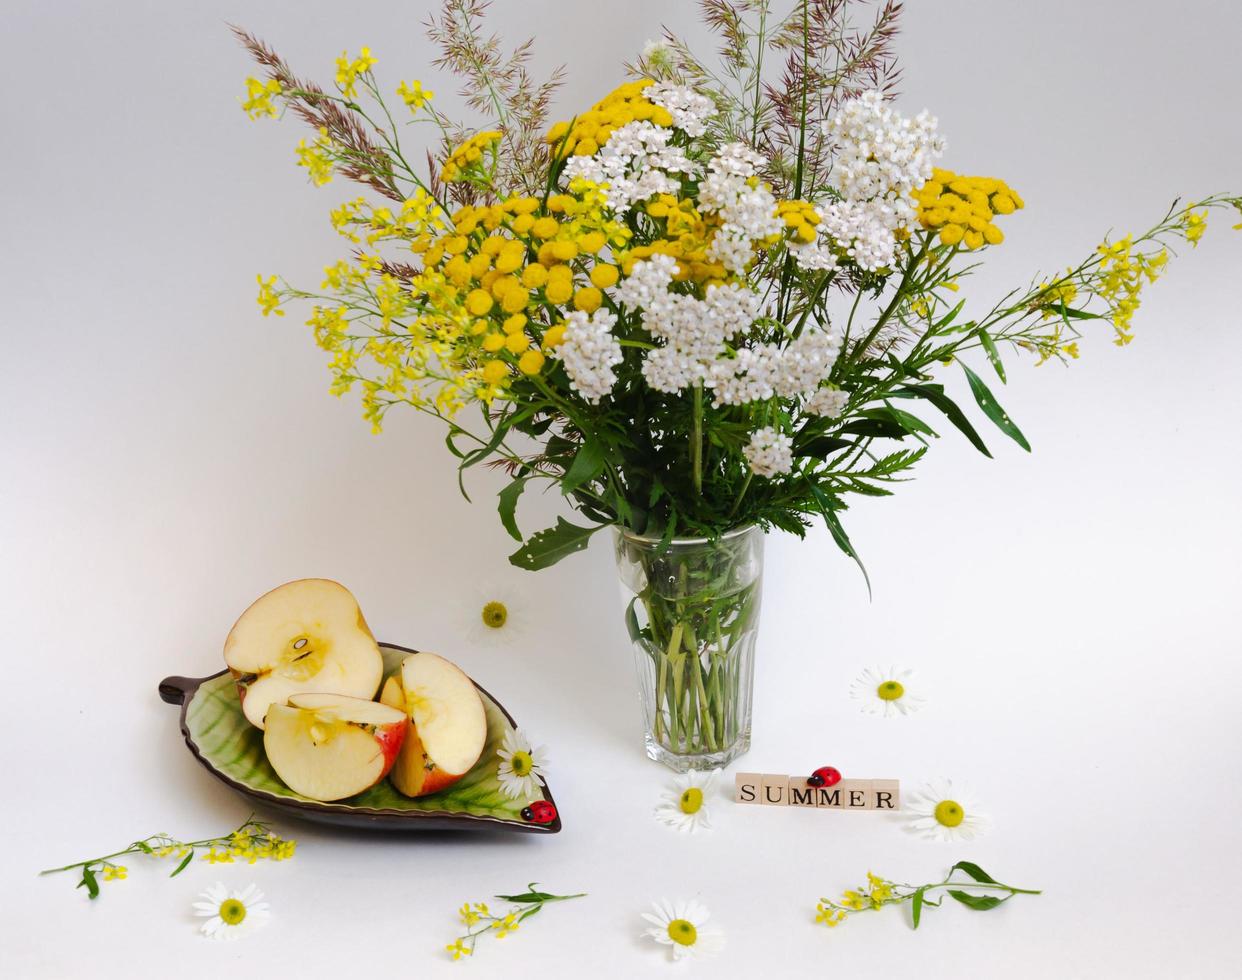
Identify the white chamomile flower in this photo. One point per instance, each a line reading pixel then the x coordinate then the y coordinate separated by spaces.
pixel 885 691
pixel 493 613
pixel 682 925
pixel 943 811
pixel 231 914
pixel 521 767
pixel 685 806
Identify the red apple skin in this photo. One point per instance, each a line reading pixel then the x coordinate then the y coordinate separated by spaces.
pixel 390 738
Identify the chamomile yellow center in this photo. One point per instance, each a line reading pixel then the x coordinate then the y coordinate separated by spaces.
pixel 949 813
pixel 232 911
pixel 495 614
pixel 691 800
pixel 682 932
pixel 890 691
pixel 522 763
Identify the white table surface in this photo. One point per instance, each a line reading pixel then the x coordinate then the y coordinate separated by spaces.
pixel 167 456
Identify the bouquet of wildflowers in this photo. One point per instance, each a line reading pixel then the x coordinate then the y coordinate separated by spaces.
pixel 722 296
pixel 711 299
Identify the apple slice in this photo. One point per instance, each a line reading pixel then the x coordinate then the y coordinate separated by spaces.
pixel 447 723
pixel 329 746
pixel 304 637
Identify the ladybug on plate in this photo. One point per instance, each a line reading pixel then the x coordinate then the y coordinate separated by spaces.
pixel 541 811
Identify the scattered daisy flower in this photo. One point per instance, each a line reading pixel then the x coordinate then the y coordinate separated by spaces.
pixel 231 914
pixel 682 925
pixel 881 691
pixel 943 811
pixel 521 767
pixel 685 807
pixel 492 614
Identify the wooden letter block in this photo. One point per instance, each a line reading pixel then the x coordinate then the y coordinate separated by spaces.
pixel 886 794
pixel 800 794
pixel 774 791
pixel 747 787
pixel 856 794
pixel 829 797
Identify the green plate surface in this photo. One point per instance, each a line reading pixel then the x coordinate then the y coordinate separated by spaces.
pixel 232 749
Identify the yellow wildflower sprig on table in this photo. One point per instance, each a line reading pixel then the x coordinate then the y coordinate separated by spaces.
pixel 253 841
pixel 480 920
pixel 981 893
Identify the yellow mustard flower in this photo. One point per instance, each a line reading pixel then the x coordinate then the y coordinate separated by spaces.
pixel 414 95
pixel 348 70
pixel 259 95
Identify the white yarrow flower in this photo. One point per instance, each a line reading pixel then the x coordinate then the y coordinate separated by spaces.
pixel 944 811
pixel 521 767
pixel 689 109
pixel 685 806
pixel 885 691
pixel 590 352
pixel 683 926
pixel 827 402
pixel 770 453
pixel 881 158
pixel 231 914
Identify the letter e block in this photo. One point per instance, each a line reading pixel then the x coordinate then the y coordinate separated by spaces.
pixel 856 794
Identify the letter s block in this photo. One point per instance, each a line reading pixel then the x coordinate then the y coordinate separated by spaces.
pixel 748 786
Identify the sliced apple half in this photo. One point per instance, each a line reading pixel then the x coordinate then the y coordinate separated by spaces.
pixel 304 637
pixel 329 746
pixel 447 724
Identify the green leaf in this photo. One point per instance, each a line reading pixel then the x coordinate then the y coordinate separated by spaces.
pixel 631 621
pixel 911 423
pixel 993 354
pixel 508 506
pixel 974 871
pixel 949 317
pixel 916 906
pixel 89 882
pixel 1073 314
pixel 991 408
pixel 185 863
pixel 821 447
pixel 587 465
pixel 935 394
pixel 828 510
pixel 875 428
pixel 546 548
pixel 526 898
pixel 980 903
pixel 498 436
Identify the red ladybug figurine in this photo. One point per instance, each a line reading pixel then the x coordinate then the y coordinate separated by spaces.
pixel 541 811
pixel 824 776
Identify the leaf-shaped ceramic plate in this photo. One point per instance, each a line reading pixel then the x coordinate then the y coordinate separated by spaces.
pixel 232 750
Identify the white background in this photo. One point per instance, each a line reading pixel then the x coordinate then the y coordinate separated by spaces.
pixel 168 455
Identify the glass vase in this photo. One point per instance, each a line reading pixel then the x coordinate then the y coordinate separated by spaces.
pixel 692 612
